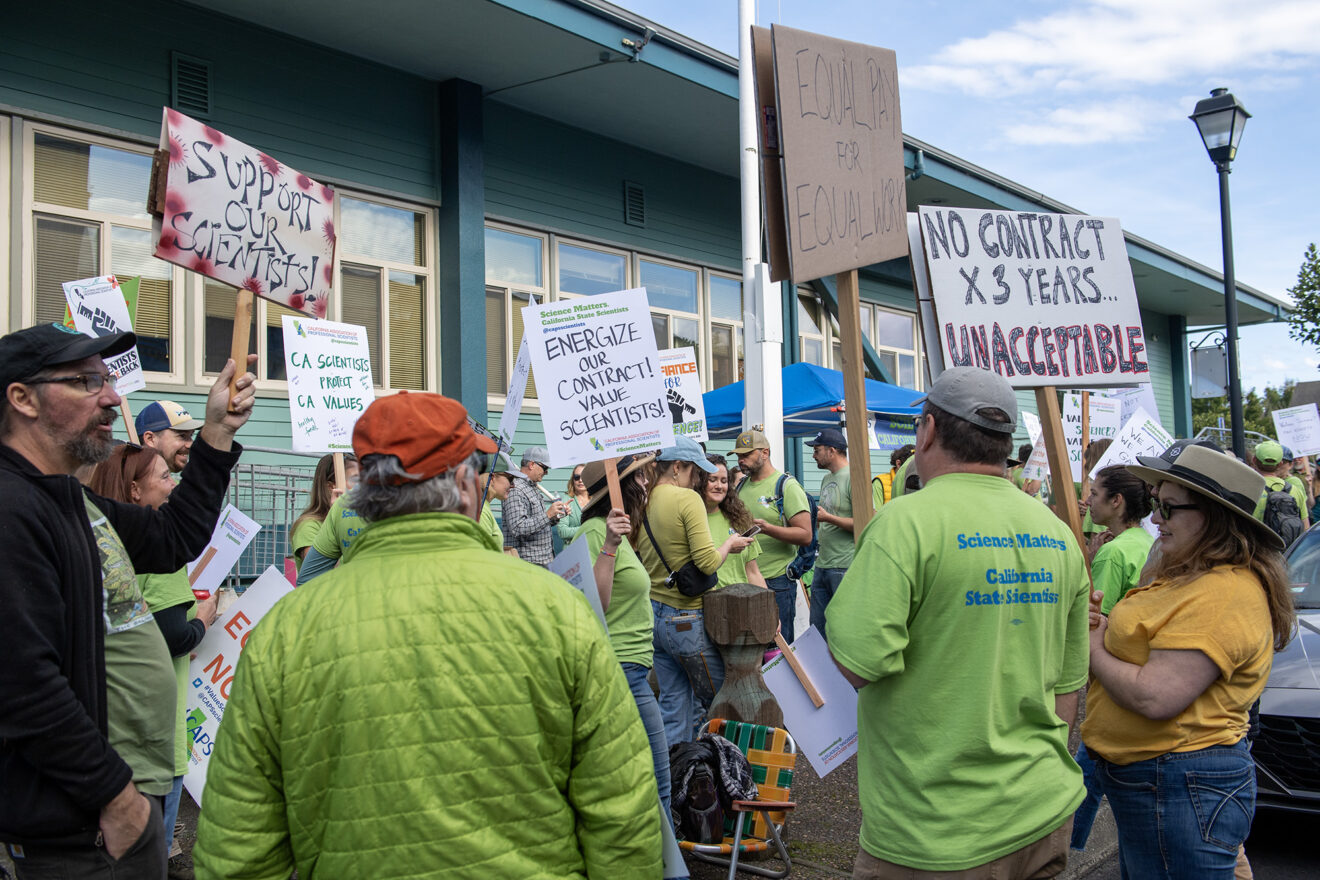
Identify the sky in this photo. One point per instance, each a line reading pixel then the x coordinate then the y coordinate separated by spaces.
pixel 1087 102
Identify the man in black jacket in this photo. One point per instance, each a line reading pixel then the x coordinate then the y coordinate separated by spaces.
pixel 67 799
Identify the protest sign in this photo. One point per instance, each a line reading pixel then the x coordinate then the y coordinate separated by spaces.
pixel 233 213
pixel 1031 422
pixel 683 392
pixel 230 538
pixel 574 566
pixel 1298 428
pixel 211 673
pixel 892 432
pixel 513 400
pixel 598 375
pixel 1041 299
pixel 841 140
pixel 128 287
pixel 827 734
pixel 330 385
pixel 1141 434
pixel 1132 399
pixel 1038 465
pixel 1103 425
pixel 98 308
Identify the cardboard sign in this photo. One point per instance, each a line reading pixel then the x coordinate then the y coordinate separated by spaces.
pixel 845 187
pixel 233 213
pixel 1132 399
pixel 826 735
pixel 1031 422
pixel 1038 465
pixel 598 377
pixel 232 534
pixel 1142 434
pixel 513 400
pixel 330 386
pixel 98 308
pixel 574 566
pixel 683 393
pixel 211 673
pixel 1103 423
pixel 1298 428
pixel 1041 299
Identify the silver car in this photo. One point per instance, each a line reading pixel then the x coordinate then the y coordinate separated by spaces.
pixel 1287 751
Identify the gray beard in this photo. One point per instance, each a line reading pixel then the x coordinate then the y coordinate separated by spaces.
pixel 89 450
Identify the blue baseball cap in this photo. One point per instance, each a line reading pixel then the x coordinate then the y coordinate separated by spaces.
pixel 686 449
pixel 831 437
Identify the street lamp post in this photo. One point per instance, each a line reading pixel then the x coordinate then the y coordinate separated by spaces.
pixel 1220 118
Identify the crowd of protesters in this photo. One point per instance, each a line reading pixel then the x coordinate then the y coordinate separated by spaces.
pixel 438 703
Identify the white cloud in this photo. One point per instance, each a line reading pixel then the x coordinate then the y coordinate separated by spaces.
pixel 1123 119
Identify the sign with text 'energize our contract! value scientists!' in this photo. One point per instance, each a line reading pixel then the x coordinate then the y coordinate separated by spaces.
pixel 598 377
pixel 329 369
pixel 1041 299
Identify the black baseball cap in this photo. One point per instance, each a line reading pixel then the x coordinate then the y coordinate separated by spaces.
pixel 26 352
pixel 831 437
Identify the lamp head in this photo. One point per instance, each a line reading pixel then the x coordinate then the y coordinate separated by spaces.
pixel 1220 118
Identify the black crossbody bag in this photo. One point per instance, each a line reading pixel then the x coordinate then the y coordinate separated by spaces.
pixel 689 580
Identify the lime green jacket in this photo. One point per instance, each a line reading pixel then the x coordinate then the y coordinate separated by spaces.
pixel 431 708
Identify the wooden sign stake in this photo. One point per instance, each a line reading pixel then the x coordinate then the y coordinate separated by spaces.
pixel 796 666
pixel 854 390
pixel 341 479
pixel 612 481
pixel 128 422
pixel 201 565
pixel 238 348
pixel 1056 448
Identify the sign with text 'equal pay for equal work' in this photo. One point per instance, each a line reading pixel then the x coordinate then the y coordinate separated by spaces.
pixel 1041 299
pixel 598 377
pixel 98 309
pixel 330 385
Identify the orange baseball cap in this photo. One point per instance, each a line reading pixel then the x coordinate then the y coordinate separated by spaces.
pixel 428 433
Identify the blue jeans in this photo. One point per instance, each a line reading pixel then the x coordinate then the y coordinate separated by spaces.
pixel 824 584
pixel 786 598
pixel 655 726
pixel 1181 816
pixel 170 812
pixel 688 668
pixel 1084 818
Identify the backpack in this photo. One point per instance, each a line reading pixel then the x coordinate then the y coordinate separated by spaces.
pixel 1282 515
pixel 806 555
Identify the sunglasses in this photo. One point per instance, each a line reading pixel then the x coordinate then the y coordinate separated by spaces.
pixel 91 382
pixel 1167 510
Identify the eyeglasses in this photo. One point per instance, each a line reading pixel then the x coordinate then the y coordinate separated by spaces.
pixel 91 382
pixel 1166 509
pixel 577 478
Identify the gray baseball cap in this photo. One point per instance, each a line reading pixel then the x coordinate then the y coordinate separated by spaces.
pixel 965 391
pixel 538 454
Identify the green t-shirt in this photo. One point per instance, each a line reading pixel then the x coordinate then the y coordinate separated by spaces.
pixel 165 591
pixel 1117 565
pixel 303 537
pixel 836 545
pixel 1278 484
pixel 489 524
pixel 760 500
pixel 966 608
pixel 897 490
pixel 734 569
pixel 140 686
pixel 629 615
pixel 341 527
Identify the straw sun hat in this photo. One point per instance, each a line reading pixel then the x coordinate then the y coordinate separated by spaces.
pixel 593 475
pixel 1217 477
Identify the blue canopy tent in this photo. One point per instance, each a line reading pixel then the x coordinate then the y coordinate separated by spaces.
pixel 813 399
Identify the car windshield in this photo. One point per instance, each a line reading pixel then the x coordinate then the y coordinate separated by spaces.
pixel 1304 570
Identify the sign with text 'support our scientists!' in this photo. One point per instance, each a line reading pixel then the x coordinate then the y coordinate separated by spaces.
pixel 598 377
pixel 330 386
pixel 237 215
pixel 1041 299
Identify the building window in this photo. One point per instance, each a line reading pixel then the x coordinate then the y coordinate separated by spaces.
pixel 89 217
pixel 515 270
pixel 811 337
pixel 672 292
pixel 893 334
pixel 588 271
pixel 726 330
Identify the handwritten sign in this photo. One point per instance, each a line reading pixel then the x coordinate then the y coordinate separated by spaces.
pixel 826 735
pixel 683 392
pixel 211 673
pixel 232 534
pixel 1298 428
pixel 1102 421
pixel 574 566
pixel 1041 299
pixel 598 376
pixel 98 308
pixel 330 386
pixel 1141 435
pixel 1031 422
pixel 845 192
pixel 1038 465
pixel 233 213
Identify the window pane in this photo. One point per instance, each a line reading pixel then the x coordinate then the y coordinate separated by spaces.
pixel 836 351
pixel 808 315
pixel 65 250
pixel 590 272
pixel 721 356
pixel 687 332
pixel 360 288
pixel 497 357
pixel 660 325
pixel 813 352
pixel 669 287
pixel 89 177
pixel 895 329
pixel 890 360
pixel 726 298
pixel 519 302
pixel 382 233
pixel 275 367
pixel 218 302
pixel 907 371
pixel 130 255
pixel 407 331
pixel 513 258
pixel 867 325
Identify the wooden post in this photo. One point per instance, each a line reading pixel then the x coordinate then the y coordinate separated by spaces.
pixel 854 389
pixel 796 666
pixel 128 422
pixel 238 348
pixel 341 480
pixel 201 565
pixel 741 620
pixel 612 481
pixel 1056 448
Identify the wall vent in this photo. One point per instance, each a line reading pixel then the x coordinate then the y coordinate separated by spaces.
pixel 190 85
pixel 634 204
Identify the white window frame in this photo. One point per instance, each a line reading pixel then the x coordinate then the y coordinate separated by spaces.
pixel 700 317
pixel 823 336
pixel 918 356
pixel 739 342
pixel 542 293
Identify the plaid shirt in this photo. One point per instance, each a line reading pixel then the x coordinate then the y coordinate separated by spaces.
pixel 526 527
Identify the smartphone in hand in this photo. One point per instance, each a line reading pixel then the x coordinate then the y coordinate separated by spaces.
pixel 754 530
